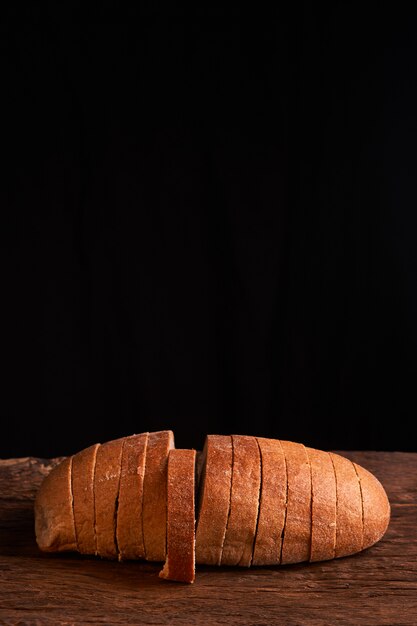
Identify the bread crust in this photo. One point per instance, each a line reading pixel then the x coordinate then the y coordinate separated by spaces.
pixel 244 502
pixel 323 505
pixel 154 509
pixel 180 561
pixel 129 531
pixel 375 505
pixel 54 515
pixel 349 524
pixel 214 500
pixel 267 550
pixel 83 469
pixel 106 490
pixel 296 542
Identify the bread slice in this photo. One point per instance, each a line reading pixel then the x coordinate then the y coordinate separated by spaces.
pixel 106 491
pixel 129 532
pixel 323 505
pixel 83 469
pixel 54 516
pixel 349 524
pixel 154 509
pixel 375 506
pixel 180 561
pixel 267 550
pixel 297 531
pixel 214 500
pixel 244 502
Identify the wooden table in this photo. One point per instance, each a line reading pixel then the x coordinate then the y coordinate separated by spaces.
pixel 377 586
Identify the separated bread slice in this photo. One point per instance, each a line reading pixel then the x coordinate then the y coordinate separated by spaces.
pixel 154 510
pixel 349 524
pixel 267 550
pixel 54 516
pixel 323 505
pixel 180 561
pixel 129 531
pixel 83 469
pixel 297 531
pixel 213 509
pixel 106 491
pixel 376 507
pixel 244 502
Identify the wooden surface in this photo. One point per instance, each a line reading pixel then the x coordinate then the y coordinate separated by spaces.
pixel 375 587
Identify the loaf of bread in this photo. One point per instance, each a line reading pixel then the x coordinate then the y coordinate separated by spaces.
pixel 259 502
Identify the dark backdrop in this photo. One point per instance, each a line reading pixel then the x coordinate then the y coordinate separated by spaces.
pixel 210 226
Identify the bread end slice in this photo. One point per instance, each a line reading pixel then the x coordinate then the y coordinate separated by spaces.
pixel 54 516
pixel 376 507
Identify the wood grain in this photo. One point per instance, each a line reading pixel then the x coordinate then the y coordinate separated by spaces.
pixel 377 587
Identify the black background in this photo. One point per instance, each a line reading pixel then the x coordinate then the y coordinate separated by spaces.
pixel 210 226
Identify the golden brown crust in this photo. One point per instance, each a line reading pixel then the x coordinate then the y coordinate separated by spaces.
pixel 54 516
pixel 376 507
pixel 267 550
pixel 323 506
pixel 215 485
pixel 349 525
pixel 244 502
pixel 106 490
pixel 154 509
pixel 129 531
pixel 180 561
pixel 297 531
pixel 83 469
